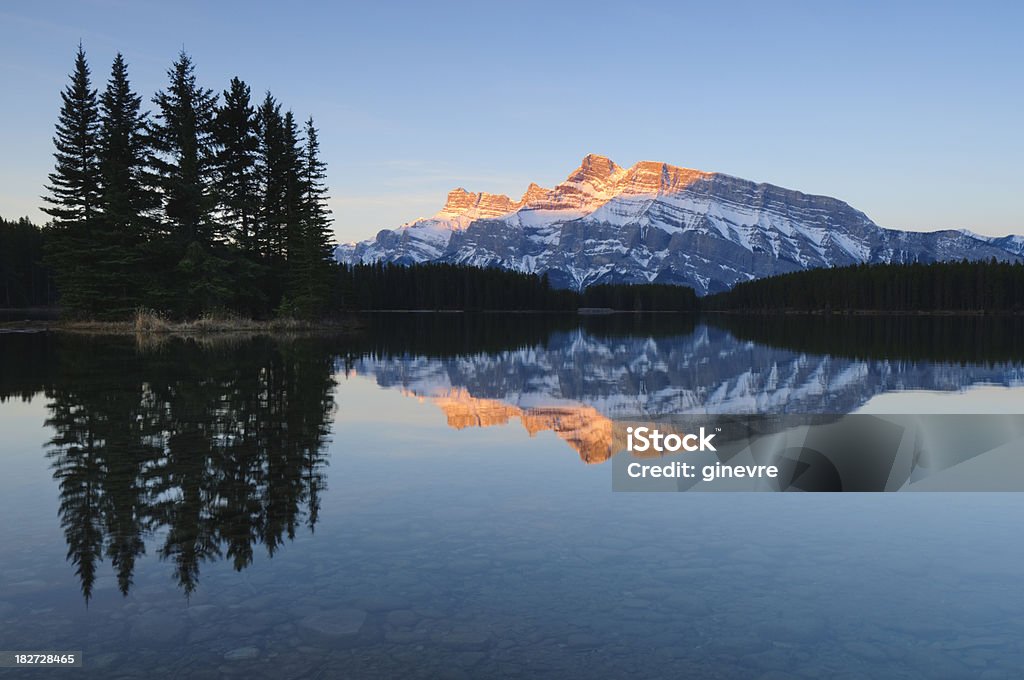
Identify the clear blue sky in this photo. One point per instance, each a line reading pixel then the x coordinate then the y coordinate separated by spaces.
pixel 911 112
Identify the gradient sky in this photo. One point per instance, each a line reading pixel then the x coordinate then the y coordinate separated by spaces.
pixel 911 112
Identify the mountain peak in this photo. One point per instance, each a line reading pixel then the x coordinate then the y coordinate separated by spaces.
pixel 596 158
pixel 597 180
pixel 595 169
pixel 650 177
pixel 534 194
pixel 477 205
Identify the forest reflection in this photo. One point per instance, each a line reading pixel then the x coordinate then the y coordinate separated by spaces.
pixel 211 452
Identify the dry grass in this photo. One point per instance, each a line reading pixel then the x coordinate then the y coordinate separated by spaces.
pixel 150 323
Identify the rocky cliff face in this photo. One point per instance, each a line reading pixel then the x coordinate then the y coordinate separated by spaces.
pixel 659 223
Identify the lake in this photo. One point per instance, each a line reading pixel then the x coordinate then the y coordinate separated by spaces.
pixel 432 498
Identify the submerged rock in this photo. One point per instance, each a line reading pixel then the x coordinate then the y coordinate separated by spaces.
pixel 335 623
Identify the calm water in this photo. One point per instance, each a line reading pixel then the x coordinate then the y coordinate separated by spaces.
pixel 433 499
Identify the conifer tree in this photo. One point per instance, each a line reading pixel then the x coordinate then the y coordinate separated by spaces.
pixel 126 199
pixel 74 194
pixel 74 183
pixel 297 256
pixel 314 199
pixel 272 179
pixel 124 150
pixel 311 265
pixel 236 183
pixel 183 138
pixel 292 171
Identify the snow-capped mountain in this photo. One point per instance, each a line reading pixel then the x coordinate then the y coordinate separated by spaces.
pixel 659 223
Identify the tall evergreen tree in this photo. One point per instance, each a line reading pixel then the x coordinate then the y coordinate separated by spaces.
pixel 236 183
pixel 124 151
pixel 292 172
pixel 74 195
pixel 314 198
pixel 183 138
pixel 74 184
pixel 272 179
pixel 311 264
pixel 127 200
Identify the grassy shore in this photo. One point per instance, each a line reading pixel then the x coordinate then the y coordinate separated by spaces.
pixel 151 323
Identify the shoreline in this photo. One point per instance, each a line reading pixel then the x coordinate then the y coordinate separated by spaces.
pixel 149 324
pixel 193 328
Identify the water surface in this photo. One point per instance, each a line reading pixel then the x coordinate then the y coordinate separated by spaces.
pixel 431 499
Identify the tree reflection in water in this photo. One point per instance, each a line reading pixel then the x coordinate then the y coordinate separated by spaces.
pixel 213 450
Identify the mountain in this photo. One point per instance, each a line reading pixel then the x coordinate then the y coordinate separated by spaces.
pixel 657 223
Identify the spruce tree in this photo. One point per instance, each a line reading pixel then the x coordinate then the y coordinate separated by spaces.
pixel 74 194
pixel 184 144
pixel 312 263
pixel 290 168
pixel 127 202
pixel 124 151
pixel 183 138
pixel 292 172
pixel 272 180
pixel 314 200
pixel 236 135
pixel 74 187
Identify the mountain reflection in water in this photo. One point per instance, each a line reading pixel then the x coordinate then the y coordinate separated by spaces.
pixel 587 383
pixel 213 450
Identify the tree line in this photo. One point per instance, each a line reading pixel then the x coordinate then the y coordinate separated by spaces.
pixel 24 280
pixel 450 287
pixel 963 286
pixel 207 201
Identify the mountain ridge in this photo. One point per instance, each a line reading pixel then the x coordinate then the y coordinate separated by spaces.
pixel 659 223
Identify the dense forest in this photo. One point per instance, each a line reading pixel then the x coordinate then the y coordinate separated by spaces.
pixel 24 280
pixel 207 202
pixel 937 287
pixel 460 287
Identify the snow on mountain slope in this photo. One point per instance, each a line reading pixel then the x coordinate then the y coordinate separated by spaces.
pixel 659 223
